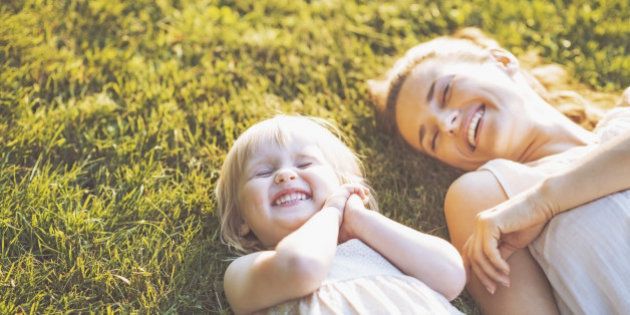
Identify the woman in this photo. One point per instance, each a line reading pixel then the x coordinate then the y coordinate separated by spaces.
pixel 466 102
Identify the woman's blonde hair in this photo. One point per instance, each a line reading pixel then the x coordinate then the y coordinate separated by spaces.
pixel 279 130
pixel 472 45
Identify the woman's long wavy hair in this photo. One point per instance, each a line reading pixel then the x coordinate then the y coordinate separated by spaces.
pixel 550 81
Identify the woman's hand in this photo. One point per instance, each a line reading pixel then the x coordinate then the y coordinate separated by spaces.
pixel 502 230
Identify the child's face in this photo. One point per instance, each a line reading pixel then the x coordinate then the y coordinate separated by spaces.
pixel 282 187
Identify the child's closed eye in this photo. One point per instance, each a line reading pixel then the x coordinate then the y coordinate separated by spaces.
pixel 263 173
pixel 304 165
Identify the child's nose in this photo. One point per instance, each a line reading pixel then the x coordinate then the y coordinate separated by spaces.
pixel 284 176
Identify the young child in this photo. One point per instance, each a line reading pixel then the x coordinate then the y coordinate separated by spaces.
pixel 291 196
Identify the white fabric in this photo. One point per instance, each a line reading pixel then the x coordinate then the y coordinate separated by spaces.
pixel 361 281
pixel 584 252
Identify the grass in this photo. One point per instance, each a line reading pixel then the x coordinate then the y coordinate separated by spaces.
pixel 115 117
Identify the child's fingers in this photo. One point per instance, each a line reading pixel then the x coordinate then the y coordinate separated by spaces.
pixel 358 189
pixel 366 196
pixel 363 192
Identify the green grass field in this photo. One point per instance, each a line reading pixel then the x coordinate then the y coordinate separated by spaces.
pixel 115 117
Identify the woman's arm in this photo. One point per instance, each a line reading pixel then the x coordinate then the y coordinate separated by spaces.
pixel 527 290
pixel 501 230
pixel 604 171
pixel 430 259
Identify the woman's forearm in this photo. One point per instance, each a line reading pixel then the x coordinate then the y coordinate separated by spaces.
pixel 516 222
pixel 604 171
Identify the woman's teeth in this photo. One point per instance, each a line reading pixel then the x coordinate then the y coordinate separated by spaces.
pixel 472 128
pixel 289 198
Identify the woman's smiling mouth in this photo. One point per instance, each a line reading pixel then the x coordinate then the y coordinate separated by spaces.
pixel 473 126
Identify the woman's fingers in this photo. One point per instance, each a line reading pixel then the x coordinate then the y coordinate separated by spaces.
pixel 496 273
pixel 466 258
pixel 483 254
pixel 471 260
pixel 490 247
pixel 490 286
pixel 485 265
pixel 489 233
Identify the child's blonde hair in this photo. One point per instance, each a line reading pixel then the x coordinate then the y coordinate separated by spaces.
pixel 472 45
pixel 279 130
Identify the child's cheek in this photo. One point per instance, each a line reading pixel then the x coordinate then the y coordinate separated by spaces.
pixel 260 200
pixel 252 197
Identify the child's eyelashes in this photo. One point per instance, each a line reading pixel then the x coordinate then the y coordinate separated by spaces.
pixel 304 164
pixel 264 173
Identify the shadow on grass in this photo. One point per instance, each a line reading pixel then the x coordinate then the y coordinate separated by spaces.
pixel 198 280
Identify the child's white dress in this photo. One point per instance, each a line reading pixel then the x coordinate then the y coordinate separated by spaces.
pixel 584 252
pixel 361 281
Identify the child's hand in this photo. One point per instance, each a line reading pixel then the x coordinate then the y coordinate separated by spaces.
pixel 354 207
pixel 339 198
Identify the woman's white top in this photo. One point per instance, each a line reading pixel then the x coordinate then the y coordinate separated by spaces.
pixel 361 281
pixel 584 252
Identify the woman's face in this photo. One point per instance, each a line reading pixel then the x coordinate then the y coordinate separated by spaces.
pixel 464 113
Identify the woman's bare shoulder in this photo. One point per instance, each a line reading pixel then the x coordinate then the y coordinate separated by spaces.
pixel 475 190
pixel 470 194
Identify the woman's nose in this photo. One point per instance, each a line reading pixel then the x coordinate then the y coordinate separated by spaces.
pixel 449 121
pixel 285 175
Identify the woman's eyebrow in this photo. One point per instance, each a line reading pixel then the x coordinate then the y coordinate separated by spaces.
pixel 431 90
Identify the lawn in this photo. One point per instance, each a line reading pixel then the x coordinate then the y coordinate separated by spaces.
pixel 115 117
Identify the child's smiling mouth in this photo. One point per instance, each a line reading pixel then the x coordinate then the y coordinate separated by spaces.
pixel 290 197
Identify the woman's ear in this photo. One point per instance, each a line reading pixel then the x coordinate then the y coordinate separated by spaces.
pixel 505 60
pixel 378 90
pixel 243 230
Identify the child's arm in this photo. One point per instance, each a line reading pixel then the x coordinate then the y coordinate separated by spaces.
pixel 297 265
pixel 430 259
pixel 293 269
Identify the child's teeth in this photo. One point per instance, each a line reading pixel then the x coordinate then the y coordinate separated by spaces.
pixel 290 197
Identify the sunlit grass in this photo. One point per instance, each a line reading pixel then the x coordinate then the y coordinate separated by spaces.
pixel 115 117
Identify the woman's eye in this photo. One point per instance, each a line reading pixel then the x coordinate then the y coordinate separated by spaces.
pixel 434 141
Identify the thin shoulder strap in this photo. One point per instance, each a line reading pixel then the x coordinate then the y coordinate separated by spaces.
pixel 512 176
